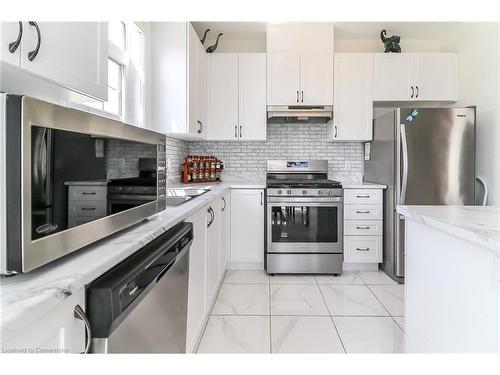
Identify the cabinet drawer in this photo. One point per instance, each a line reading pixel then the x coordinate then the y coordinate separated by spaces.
pixel 363 227
pixel 87 209
pixel 362 196
pixel 363 212
pixel 90 193
pixel 363 249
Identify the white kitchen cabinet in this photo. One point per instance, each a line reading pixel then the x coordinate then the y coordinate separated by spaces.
pixel 316 78
pixel 179 87
pixel 225 231
pixel 353 98
pixel 71 54
pixel 363 226
pixel 213 251
pixel 415 77
pixel 436 76
pixel 283 78
pixel 197 304
pixel 10 50
pixel 223 96
pixel 247 227
pixel 252 96
pixel 237 96
pixel 299 78
pixel 57 332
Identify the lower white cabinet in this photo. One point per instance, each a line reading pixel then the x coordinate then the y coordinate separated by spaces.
pixel 225 230
pixel 57 332
pixel 213 251
pixel 197 306
pixel 363 225
pixel 247 226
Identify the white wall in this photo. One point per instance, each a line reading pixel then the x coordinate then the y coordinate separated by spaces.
pixel 376 45
pixel 478 45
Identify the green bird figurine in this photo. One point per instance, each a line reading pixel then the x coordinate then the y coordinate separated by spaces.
pixel 204 36
pixel 212 49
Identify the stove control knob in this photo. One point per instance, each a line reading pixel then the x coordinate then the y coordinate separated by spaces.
pixel 289 192
pixel 129 189
pixel 304 192
pixel 280 191
pixel 320 192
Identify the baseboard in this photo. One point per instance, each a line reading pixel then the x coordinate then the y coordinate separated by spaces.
pixel 245 266
pixel 360 266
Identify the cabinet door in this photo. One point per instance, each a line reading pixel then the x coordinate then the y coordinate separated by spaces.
pixel 283 74
pixel 194 126
pixel 9 33
pixel 252 96
pixel 72 54
pixel 436 76
pixel 393 77
pixel 197 278
pixel 223 96
pixel 247 225
pixel 316 79
pixel 225 231
pixel 201 88
pixel 213 250
pixel 353 108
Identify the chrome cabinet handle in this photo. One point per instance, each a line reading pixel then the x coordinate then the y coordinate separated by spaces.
pixel 241 132
pixel 261 198
pixel 302 96
pixel 297 96
pixel 15 44
pixel 200 127
pixel 80 314
pixel 362 212
pixel 335 135
pixel 212 216
pixel 88 193
pixel 225 204
pixel 34 53
pixel 363 248
pixel 404 148
pixel 88 208
pixel 362 196
pixel 362 227
pixel 412 92
pixel 235 131
pixel 416 96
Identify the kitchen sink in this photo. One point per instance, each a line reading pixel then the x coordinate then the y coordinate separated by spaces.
pixel 178 196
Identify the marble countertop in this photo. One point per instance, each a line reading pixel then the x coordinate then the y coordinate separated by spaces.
pixel 26 298
pixel 87 183
pixel 478 224
pixel 362 185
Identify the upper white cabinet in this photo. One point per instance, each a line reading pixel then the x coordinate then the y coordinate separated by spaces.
pixel 237 96
pixel 70 54
pixel 353 107
pixel 415 77
pixel 247 229
pixel 300 64
pixel 179 84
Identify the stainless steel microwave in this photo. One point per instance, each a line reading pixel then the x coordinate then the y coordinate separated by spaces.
pixel 57 167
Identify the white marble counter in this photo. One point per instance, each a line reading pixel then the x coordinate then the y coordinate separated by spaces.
pixel 26 298
pixel 478 224
pixel 362 185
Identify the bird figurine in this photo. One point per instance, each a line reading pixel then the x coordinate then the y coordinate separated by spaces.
pixel 204 36
pixel 212 49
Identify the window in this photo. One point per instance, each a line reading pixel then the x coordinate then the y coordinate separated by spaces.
pixel 126 76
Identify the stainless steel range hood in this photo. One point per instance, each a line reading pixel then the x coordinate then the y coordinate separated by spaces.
pixel 299 113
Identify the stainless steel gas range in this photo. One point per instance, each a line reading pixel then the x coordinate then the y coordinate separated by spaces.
pixel 303 218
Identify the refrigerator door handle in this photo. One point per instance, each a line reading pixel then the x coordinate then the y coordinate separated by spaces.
pixel 404 148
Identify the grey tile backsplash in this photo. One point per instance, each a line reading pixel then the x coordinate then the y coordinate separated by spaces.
pixel 248 159
pixel 287 141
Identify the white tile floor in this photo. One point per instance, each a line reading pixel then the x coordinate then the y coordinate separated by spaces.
pixel 358 312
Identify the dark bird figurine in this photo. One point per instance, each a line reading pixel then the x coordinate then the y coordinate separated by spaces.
pixel 204 36
pixel 391 44
pixel 214 47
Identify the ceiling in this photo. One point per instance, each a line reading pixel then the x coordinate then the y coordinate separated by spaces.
pixel 343 30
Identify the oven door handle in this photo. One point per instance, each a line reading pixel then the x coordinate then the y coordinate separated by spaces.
pixel 308 203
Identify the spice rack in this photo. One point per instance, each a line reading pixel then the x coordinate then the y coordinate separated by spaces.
pixel 199 168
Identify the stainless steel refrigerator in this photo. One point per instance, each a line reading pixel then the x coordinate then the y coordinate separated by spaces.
pixel 425 156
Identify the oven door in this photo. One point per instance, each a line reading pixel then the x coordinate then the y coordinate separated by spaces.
pixel 304 225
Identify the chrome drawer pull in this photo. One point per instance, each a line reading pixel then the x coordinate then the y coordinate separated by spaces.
pixel 362 212
pixel 362 196
pixel 362 227
pixel 363 248
pixel 88 193
pixel 88 208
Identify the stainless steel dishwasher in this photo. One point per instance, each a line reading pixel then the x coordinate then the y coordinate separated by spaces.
pixel 140 306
